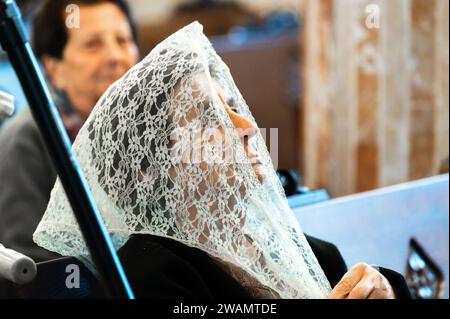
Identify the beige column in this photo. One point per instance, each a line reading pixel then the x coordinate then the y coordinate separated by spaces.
pixel 375 88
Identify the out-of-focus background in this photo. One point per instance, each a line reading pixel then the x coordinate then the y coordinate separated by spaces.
pixel 358 90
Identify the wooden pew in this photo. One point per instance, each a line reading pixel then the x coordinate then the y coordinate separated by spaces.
pixel 375 226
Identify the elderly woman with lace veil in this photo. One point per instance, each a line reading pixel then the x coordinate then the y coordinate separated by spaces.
pixel 186 187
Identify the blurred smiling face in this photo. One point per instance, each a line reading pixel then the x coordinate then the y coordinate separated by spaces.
pixel 95 56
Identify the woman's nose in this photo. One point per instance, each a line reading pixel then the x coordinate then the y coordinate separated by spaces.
pixel 245 127
pixel 114 52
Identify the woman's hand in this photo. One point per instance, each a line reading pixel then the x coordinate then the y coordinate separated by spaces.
pixel 362 282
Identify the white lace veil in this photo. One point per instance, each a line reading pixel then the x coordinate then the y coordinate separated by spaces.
pixel 149 175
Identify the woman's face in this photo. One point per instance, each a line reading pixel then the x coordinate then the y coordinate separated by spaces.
pixel 97 54
pixel 246 130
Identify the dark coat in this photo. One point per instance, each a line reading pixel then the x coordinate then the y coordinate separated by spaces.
pixel 27 176
pixel 163 268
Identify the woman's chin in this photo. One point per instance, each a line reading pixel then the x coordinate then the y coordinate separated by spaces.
pixel 259 171
pixel 104 83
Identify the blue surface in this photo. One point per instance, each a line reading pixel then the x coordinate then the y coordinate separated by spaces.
pixel 10 84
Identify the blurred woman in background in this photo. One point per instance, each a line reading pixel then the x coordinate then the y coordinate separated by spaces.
pixel 84 46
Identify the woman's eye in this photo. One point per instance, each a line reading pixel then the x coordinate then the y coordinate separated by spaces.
pixel 234 109
pixel 231 104
pixel 123 40
pixel 92 44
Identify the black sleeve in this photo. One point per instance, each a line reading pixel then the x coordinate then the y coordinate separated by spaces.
pixel 397 282
pixel 330 259
pixel 155 272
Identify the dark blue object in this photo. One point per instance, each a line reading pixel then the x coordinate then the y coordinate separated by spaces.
pixel 306 198
pixel 298 195
pixel 272 26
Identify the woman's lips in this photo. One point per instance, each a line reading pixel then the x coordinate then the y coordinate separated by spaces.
pixel 256 163
pixel 258 167
pixel 111 77
pixel 255 160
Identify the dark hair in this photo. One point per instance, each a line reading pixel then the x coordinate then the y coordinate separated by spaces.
pixel 49 32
